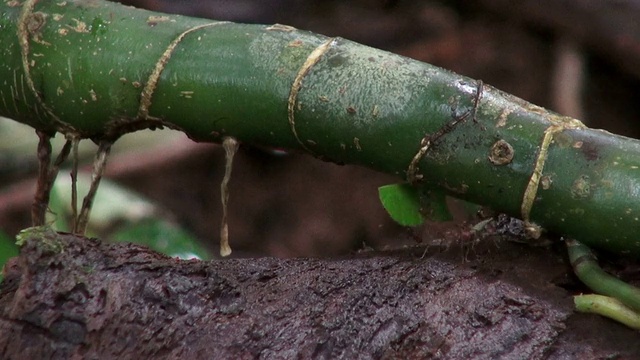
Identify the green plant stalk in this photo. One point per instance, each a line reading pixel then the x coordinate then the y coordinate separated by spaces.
pixel 589 272
pixel 609 307
pixel 96 69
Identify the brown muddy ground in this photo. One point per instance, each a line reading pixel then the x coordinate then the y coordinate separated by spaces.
pixel 489 299
pixel 67 297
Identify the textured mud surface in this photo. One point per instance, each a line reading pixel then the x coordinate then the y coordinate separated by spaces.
pixel 85 299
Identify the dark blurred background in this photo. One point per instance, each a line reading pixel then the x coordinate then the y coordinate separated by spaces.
pixel 578 57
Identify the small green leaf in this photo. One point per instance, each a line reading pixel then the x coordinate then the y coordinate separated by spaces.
pixel 434 205
pixel 411 206
pixel 402 202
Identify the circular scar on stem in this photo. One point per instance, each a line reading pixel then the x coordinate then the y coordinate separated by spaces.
pixel 313 58
pixel 501 153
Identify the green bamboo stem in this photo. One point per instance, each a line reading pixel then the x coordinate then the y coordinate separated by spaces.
pixel 99 70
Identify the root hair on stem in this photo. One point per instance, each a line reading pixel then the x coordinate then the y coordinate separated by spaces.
pixel 230 146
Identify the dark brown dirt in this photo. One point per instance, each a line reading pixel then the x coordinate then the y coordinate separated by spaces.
pixel 80 298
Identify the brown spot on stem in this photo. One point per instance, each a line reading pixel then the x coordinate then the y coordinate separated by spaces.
pixel 581 188
pixel 501 153
pixel 375 111
pixel 356 142
pixel 295 43
pixel 546 182
pixel 502 119
pixel 154 20
pixel 80 26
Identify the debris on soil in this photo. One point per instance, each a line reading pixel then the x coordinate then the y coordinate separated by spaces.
pixel 120 300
